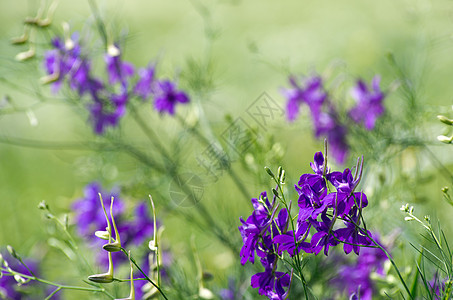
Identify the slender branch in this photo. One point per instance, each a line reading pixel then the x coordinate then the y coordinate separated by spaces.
pixel 144 274
pixel 59 286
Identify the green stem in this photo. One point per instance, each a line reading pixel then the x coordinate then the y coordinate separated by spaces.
pixel 393 263
pixel 206 142
pixel 299 268
pixel 59 286
pixel 144 274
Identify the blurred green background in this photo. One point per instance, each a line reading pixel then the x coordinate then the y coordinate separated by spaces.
pixel 239 49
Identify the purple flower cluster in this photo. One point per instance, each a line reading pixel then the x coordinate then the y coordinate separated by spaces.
pixel 90 217
pixel 356 279
pixel 329 213
pixel 324 114
pixel 9 287
pixel 107 99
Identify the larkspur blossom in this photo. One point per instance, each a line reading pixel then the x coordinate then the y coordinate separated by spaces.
pixel 255 226
pixel 166 96
pixel 356 279
pixel 143 87
pixel 310 92
pixel 107 101
pixel 117 69
pixel 368 103
pixel 324 115
pixel 330 211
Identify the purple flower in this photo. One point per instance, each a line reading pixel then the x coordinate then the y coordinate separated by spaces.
pixel 106 108
pixel 324 237
pixel 271 283
pixel 108 113
pixel 118 70
pixel 62 61
pixel 166 96
pixel 9 288
pixel 231 293
pixel 323 113
pixel 310 204
pixel 140 229
pixel 310 91
pixel 369 103
pixel 253 230
pixel 352 236
pixel 356 279
pixel 143 87
pixel 287 241
pixel 437 285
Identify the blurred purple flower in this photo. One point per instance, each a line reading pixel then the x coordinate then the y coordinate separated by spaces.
pixel 369 103
pixel 323 113
pixel 118 70
pixel 231 293
pixel 166 96
pixel 9 289
pixel 437 286
pixel 89 214
pixel 310 91
pixel 104 114
pixel 62 61
pixel 356 279
pixel 143 87
pixel 140 229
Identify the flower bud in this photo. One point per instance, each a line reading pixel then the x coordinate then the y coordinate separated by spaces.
pixel 445 189
pixel 43 205
pixel 50 78
pixel 445 120
pixel 204 293
pixel 152 245
pixel 25 55
pixel 269 172
pixel 68 43
pixel 102 234
pixel 279 171
pixel 207 276
pixel 12 252
pixel 112 50
pixel 19 279
pixel 20 40
pixel 112 247
pixel 405 207
pixel 282 177
pixel 275 192
pixel 445 139
pixel 101 278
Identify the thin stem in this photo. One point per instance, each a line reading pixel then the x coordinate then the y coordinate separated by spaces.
pixel 299 268
pixel 206 142
pixel 144 274
pixel 59 286
pixel 99 22
pixel 393 263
